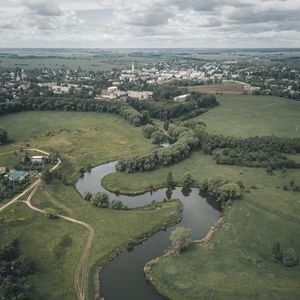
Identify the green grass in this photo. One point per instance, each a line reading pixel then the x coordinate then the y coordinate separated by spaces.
pixel 42 239
pixel 113 229
pixel 236 263
pixel 80 138
pixel 242 115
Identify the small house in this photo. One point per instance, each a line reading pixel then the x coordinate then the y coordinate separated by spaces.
pixel 37 159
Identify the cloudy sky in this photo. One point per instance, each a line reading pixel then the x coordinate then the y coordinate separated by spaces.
pixel 149 23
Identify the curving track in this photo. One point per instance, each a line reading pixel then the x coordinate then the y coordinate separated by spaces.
pixel 81 273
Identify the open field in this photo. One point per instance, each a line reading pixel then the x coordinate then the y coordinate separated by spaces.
pixel 236 263
pixel 242 115
pixel 224 88
pixel 252 225
pixel 80 138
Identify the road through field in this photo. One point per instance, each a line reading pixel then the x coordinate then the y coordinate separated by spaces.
pixel 81 273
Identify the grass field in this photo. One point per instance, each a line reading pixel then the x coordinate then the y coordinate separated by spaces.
pixel 56 245
pixel 227 87
pixel 236 263
pixel 242 115
pixel 80 138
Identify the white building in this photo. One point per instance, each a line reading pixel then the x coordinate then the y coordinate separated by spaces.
pixel 37 159
pixel 181 98
pixel 144 95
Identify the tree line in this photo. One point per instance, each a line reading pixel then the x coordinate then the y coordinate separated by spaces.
pixel 251 152
pixel 186 141
pixel 195 105
pixel 75 104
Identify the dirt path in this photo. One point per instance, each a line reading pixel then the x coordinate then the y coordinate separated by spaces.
pixel 81 273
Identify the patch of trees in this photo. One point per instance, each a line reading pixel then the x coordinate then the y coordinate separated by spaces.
pixel 287 257
pixel 221 188
pixel 251 152
pixel 14 271
pixel 167 91
pixel 101 200
pixel 3 136
pixel 75 104
pixel 9 188
pixel 157 135
pixel 293 186
pixel 196 105
pixel 181 238
pixel 186 142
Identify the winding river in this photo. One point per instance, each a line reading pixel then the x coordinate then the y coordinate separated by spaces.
pixel 123 278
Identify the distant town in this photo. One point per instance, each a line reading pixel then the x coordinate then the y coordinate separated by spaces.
pixel 140 80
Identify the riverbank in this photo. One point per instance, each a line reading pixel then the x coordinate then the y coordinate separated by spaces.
pixel 235 263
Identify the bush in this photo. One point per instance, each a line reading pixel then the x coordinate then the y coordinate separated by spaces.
pixel 100 200
pixel 289 258
pixel 229 191
pixel 117 204
pixel 187 179
pixel 50 213
pixel 180 238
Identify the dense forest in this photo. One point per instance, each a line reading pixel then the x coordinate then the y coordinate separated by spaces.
pixel 15 269
pixel 195 105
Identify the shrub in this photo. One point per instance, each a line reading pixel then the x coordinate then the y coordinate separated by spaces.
pixel 50 213
pixel 100 200
pixel 180 238
pixel 229 191
pixel 187 179
pixel 289 258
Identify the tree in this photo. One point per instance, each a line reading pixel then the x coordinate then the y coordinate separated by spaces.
pixel 100 200
pixel 50 213
pixel 229 191
pixel 187 179
pixel 180 238
pixel 289 258
pixel 117 204
pixel 46 176
pixel 88 196
pixel 276 252
pixel 170 180
pixel 166 125
pixel 3 136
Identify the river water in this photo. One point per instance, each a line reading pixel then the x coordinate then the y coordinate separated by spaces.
pixel 123 278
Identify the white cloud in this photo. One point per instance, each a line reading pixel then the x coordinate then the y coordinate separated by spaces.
pixel 144 23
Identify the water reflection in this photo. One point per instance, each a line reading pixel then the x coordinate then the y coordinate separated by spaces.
pixel 123 278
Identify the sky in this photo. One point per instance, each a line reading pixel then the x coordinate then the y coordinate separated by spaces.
pixel 149 24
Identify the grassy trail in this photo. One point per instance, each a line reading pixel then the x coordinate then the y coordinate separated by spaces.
pixel 81 274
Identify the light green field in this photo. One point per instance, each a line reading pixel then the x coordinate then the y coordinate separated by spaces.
pixel 242 115
pixel 80 138
pixel 236 263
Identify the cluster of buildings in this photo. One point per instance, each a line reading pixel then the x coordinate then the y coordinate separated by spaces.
pixel 20 175
pixel 107 85
pixel 64 88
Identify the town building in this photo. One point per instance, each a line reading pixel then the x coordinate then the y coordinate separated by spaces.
pixel 181 98
pixel 141 95
pixel 37 159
